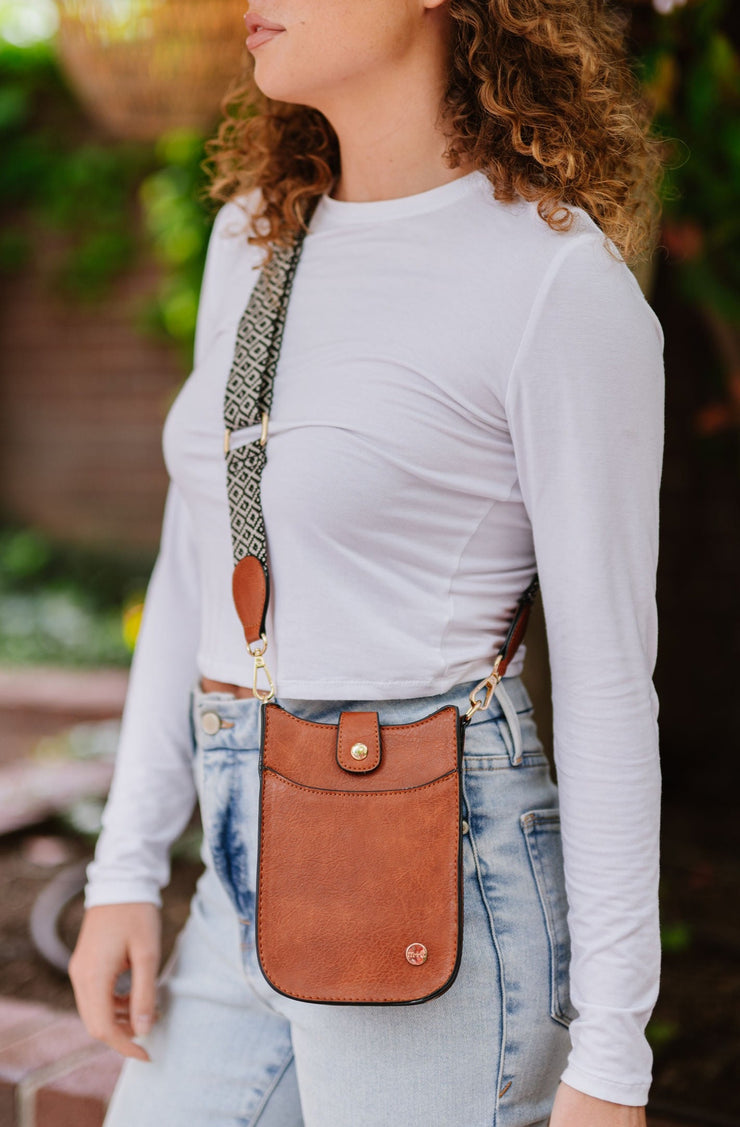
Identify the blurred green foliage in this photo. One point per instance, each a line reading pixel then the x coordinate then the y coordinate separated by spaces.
pixel 690 65
pixel 62 604
pixel 101 199
pixel 178 225
pixel 675 937
pixel 50 180
pixel 29 559
pixel 661 1034
pixel 58 627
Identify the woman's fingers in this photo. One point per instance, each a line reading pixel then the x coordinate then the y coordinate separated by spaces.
pixel 100 1013
pixel 119 1036
pixel 144 966
pixel 121 1014
pixel 112 939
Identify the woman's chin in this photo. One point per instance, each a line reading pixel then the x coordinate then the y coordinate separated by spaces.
pixel 272 82
pixel 271 73
pixel 275 87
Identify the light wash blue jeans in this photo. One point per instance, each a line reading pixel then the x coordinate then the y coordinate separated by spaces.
pixel 228 1051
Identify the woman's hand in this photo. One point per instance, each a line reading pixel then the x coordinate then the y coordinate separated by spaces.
pixel 115 938
pixel 576 1109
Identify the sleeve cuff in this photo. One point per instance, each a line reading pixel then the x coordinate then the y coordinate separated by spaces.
pixel 122 892
pixel 631 1094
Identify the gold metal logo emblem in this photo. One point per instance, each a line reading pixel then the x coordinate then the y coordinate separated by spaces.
pixel 416 954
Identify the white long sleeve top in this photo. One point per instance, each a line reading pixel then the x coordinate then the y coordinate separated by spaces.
pixel 461 390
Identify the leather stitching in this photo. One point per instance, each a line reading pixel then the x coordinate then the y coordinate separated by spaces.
pixel 359 793
pixel 451 962
pixel 269 708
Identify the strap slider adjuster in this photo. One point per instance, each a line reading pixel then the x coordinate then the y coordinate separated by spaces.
pixel 262 439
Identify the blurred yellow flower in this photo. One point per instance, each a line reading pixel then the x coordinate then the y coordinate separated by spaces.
pixel 131 620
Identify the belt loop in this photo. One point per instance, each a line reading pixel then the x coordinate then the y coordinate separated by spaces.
pixel 512 719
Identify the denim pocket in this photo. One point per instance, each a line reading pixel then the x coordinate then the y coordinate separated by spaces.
pixel 484 748
pixel 541 829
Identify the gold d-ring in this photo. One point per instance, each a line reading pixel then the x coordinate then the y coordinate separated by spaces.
pixel 261 650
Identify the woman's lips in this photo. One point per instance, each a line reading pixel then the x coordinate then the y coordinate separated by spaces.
pixel 260 30
pixel 260 37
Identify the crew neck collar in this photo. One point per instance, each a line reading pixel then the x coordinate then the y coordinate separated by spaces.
pixel 333 213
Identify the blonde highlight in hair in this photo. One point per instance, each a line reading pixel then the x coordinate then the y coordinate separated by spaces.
pixel 540 96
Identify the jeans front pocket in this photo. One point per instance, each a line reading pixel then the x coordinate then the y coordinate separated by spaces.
pixel 541 829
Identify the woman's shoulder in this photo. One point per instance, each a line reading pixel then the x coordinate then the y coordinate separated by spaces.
pixel 581 265
pixel 590 272
pixel 517 228
pixel 574 273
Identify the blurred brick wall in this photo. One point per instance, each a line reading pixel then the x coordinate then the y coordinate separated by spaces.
pixel 83 396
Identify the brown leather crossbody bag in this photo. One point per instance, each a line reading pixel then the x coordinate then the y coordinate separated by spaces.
pixel 359 884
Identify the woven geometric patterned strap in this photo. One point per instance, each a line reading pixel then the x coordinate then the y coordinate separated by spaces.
pixel 249 394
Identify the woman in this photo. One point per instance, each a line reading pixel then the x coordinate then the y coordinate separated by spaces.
pixel 468 380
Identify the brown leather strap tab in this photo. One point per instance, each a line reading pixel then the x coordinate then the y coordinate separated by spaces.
pixel 518 627
pixel 358 742
pixel 249 588
pixel 517 633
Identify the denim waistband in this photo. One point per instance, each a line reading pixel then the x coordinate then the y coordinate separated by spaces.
pixel 239 718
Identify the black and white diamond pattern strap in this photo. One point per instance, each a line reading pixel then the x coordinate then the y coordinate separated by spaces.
pixel 249 394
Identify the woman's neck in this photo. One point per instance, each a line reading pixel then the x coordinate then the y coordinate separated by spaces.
pixel 399 152
pixel 370 174
pixel 392 140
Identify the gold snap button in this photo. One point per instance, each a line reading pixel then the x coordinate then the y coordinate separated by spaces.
pixel 416 954
pixel 358 751
pixel 210 722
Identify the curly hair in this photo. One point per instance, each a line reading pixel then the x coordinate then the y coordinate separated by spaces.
pixel 539 95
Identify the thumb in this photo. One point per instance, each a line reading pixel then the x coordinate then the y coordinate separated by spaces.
pixel 142 1000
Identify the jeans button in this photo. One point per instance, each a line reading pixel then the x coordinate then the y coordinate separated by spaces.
pixel 465 827
pixel 210 722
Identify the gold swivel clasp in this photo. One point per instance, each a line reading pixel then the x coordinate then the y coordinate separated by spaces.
pixel 263 695
pixel 488 684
